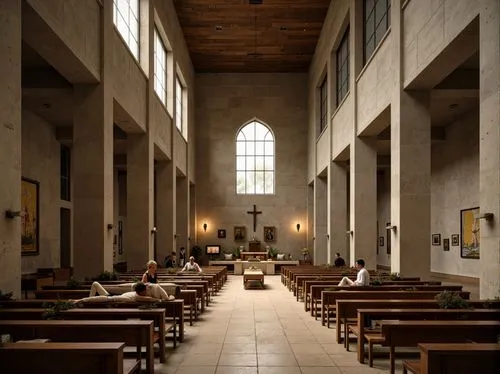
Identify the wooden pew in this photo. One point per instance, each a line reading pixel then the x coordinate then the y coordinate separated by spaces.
pixel 415 314
pixel 50 358
pixel 455 358
pixel 135 333
pixel 411 333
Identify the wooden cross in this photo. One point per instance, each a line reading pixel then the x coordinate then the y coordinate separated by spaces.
pixel 254 212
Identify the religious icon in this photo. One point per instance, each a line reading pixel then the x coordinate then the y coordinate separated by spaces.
pixel 455 240
pixel 269 233
pixel 469 227
pixel 221 234
pixel 446 244
pixel 30 214
pixel 239 233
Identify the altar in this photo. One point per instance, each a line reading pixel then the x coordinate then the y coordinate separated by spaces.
pixel 257 255
pixel 267 267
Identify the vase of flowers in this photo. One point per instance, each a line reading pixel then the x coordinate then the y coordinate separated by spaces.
pixel 305 253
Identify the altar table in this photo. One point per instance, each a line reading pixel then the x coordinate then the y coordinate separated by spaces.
pixel 253 275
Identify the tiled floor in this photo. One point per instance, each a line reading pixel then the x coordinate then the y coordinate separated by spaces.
pixel 261 331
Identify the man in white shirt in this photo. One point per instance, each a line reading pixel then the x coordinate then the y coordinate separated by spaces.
pixel 363 278
pixel 191 266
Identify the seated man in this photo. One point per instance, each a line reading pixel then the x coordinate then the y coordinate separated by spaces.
pixel 363 278
pixel 142 292
pixel 191 266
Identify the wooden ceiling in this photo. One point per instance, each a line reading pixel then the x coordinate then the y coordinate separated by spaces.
pixel 236 36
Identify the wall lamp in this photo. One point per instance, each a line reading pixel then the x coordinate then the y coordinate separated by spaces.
pixel 205 227
pixel 12 214
pixel 298 227
pixel 486 216
pixel 153 230
pixel 327 236
pixel 110 226
pixel 391 227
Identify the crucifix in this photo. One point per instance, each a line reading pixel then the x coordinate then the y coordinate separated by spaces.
pixel 254 212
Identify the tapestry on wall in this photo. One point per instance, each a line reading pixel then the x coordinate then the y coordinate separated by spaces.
pixel 29 217
pixel 469 228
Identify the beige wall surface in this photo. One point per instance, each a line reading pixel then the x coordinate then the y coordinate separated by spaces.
pixel 429 26
pixel 323 151
pixel 225 102
pixel 180 152
pixel 375 84
pixel 454 186
pixel 342 127
pixel 129 82
pixel 162 127
pixel 41 162
pixel 77 23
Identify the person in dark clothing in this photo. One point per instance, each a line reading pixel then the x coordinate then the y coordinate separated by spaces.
pixel 150 275
pixel 339 261
pixel 168 262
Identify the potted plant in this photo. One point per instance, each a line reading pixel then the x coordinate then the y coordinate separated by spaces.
pixel 236 252
pixel 6 296
pixel 305 253
pixel 451 300
pixel 272 253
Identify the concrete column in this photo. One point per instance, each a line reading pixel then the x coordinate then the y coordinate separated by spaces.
pixel 93 165
pixel 338 210
pixel 139 239
pixel 489 147
pixel 165 208
pixel 10 145
pixel 320 221
pixel 410 169
pixel 182 216
pixel 363 201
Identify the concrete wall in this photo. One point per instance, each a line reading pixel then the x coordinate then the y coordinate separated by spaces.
pixel 454 186
pixel 41 162
pixel 225 102
pixel 383 214
pixel 163 127
pixel 323 151
pixel 429 26
pixel 342 125
pixel 180 150
pixel 77 23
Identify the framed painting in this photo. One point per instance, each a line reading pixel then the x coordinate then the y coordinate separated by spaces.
pixel 269 233
pixel 436 239
pixel 388 239
pixel 240 233
pixel 30 195
pixel 446 244
pixel 221 233
pixel 469 230
pixel 381 241
pixel 455 240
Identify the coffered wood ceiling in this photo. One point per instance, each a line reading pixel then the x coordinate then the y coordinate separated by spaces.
pixel 236 36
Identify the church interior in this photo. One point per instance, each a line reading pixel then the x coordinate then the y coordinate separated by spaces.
pixel 260 136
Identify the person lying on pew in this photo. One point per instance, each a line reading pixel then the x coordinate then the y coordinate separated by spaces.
pixel 191 266
pixel 150 275
pixel 363 278
pixel 141 292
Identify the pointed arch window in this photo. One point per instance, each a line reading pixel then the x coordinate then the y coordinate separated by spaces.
pixel 255 160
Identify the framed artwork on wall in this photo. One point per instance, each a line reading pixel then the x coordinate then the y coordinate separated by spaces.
pixel 30 213
pixel 436 239
pixel 269 233
pixel 381 241
pixel 469 231
pixel 446 244
pixel 388 237
pixel 221 233
pixel 240 233
pixel 455 240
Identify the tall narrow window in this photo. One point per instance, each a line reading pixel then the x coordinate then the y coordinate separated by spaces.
pixel 65 173
pixel 377 20
pixel 323 104
pixel 343 68
pixel 255 160
pixel 160 69
pixel 126 19
pixel 179 91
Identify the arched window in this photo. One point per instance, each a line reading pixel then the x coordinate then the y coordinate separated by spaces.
pixel 255 160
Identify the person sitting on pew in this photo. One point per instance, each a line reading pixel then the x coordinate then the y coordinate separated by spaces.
pixel 363 278
pixel 150 275
pixel 191 266
pixel 141 292
pixel 339 261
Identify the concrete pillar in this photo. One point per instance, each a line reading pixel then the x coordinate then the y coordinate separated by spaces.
pixel 182 215
pixel 338 210
pixel 320 221
pixel 93 165
pixel 139 239
pixel 363 201
pixel 410 169
pixel 10 145
pixel 165 208
pixel 489 147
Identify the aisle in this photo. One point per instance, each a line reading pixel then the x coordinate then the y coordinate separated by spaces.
pixel 260 331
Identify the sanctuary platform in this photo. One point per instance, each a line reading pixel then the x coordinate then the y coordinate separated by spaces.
pixel 267 267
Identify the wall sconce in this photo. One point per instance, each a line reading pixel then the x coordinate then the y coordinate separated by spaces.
pixel 349 232
pixel 12 214
pixel 391 227
pixel 110 226
pixel 205 227
pixel 298 227
pixel 327 236
pixel 153 230
pixel 486 216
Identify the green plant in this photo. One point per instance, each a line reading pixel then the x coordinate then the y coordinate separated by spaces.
pixel 6 296
pixel 272 253
pixel 451 300
pixel 54 311
pixel 376 282
pixel 73 284
pixel 394 277
pixel 236 252
pixel 196 252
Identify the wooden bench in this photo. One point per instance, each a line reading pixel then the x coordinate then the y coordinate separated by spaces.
pixel 74 358
pixel 455 358
pixel 411 333
pixel 134 333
